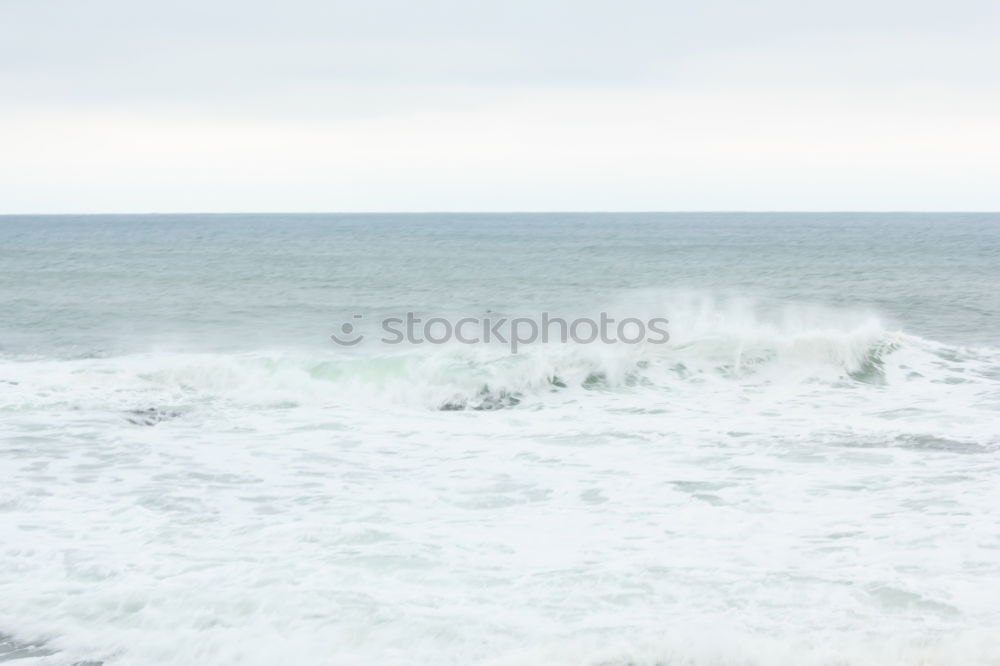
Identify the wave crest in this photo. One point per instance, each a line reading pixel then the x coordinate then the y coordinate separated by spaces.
pixel 735 342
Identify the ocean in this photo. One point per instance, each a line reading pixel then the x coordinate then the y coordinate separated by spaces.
pixel 194 471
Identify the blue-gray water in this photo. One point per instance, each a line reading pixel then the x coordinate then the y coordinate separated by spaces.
pixel 103 283
pixel 193 472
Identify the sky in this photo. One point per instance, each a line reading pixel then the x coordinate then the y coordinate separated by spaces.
pixel 115 106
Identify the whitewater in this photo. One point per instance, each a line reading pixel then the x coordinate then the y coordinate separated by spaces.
pixel 194 473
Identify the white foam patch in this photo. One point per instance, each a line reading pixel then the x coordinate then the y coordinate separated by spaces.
pixel 806 487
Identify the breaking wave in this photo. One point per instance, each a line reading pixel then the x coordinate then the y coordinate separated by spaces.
pixel 736 343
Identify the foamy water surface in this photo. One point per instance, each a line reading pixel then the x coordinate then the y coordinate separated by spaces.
pixel 805 474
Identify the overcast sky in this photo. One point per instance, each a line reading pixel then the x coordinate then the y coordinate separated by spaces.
pixel 396 105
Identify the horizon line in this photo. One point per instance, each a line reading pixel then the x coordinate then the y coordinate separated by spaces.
pixel 512 212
